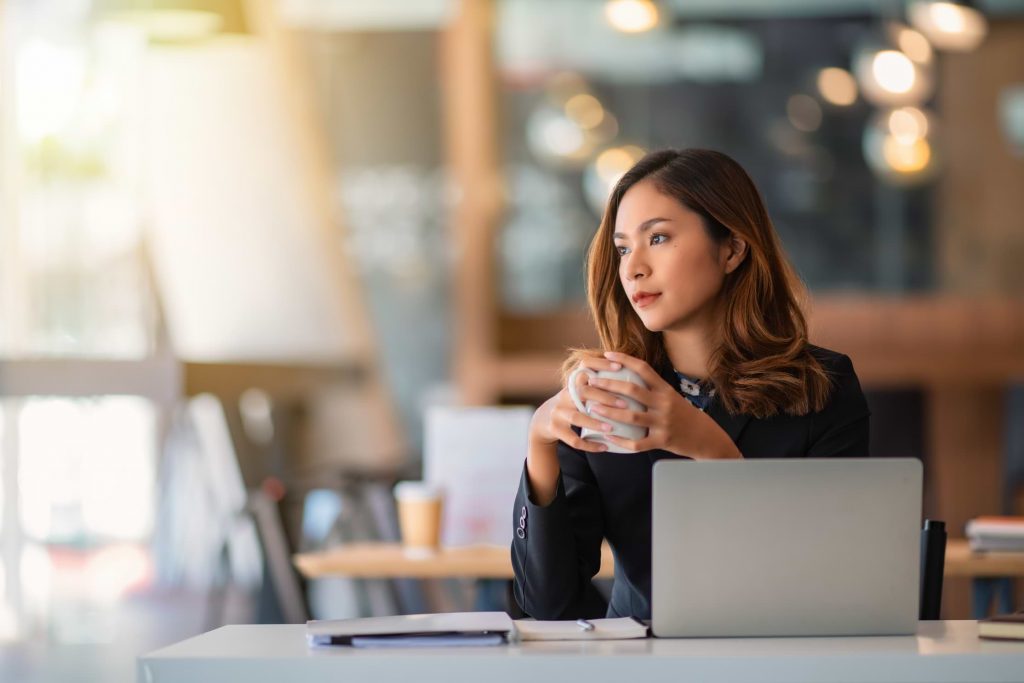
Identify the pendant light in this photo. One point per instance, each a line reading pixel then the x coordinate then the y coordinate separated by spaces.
pixel 893 66
pixel 632 16
pixel 953 26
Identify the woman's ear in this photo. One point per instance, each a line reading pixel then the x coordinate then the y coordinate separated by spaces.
pixel 735 249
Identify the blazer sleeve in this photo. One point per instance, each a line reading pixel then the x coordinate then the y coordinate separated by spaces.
pixel 556 548
pixel 840 430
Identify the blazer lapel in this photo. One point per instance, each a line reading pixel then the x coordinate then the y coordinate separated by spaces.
pixel 732 424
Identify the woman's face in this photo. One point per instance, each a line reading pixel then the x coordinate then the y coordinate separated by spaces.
pixel 669 267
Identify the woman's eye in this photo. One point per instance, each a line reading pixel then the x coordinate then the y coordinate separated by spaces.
pixel 622 250
pixel 658 236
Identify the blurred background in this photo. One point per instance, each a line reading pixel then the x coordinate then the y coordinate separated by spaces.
pixel 248 247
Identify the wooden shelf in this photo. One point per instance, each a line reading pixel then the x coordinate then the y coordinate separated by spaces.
pixel 893 342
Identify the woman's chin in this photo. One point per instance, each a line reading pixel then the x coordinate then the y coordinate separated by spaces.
pixel 653 323
pixel 664 323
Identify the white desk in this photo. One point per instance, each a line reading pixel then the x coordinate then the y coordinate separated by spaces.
pixel 942 651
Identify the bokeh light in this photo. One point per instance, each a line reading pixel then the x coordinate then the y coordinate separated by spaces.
pixel 631 16
pixel 804 113
pixel 948 25
pixel 893 70
pixel 600 177
pixel 912 43
pixel 888 77
pixel 837 86
pixel 899 145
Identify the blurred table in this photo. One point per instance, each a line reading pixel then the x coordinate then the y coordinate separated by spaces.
pixel 390 561
pixel 962 561
pixel 991 575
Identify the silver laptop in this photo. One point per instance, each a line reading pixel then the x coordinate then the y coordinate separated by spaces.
pixel 796 547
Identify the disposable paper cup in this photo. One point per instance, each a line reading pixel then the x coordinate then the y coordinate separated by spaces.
pixel 419 516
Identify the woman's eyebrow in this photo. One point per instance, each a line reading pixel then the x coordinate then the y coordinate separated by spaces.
pixel 647 224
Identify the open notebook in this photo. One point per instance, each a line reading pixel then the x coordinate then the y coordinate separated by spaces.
pixel 603 629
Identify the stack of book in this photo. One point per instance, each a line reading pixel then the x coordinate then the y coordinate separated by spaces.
pixel 1003 627
pixel 996 534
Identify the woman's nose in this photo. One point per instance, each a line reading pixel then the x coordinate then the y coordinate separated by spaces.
pixel 636 268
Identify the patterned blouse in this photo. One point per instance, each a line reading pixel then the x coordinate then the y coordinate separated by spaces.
pixel 698 392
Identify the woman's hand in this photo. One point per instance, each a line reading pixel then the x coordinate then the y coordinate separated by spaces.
pixel 554 420
pixel 673 423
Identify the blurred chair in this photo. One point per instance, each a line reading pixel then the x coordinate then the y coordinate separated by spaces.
pixel 364 510
pixel 205 539
pixel 218 534
pixel 283 596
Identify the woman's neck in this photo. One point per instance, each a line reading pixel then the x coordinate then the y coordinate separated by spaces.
pixel 689 350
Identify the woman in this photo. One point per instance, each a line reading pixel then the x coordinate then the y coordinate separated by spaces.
pixel 689 288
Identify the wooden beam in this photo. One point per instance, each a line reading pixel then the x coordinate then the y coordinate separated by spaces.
pixel 471 139
pixel 282 382
pixel 979 242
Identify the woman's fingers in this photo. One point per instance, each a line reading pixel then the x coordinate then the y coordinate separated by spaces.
pixel 598 363
pixel 594 364
pixel 636 445
pixel 624 388
pixel 566 418
pixel 573 439
pixel 640 367
pixel 592 393
pixel 574 418
pixel 624 415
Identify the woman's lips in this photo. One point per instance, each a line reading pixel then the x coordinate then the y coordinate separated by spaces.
pixel 646 300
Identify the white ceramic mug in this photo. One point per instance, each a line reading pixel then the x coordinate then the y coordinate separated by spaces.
pixel 622 429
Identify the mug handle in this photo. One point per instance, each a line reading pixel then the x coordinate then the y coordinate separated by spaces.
pixel 574 390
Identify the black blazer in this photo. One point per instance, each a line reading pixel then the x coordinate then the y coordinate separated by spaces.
pixel 556 548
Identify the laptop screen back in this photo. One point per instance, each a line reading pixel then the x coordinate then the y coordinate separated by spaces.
pixel 794 547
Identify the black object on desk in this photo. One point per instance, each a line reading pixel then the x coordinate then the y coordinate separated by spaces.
pixel 933 565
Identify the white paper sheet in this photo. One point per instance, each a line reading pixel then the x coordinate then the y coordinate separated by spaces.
pixel 476 455
pixel 604 629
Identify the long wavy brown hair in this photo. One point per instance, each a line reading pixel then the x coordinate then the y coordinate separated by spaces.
pixel 762 365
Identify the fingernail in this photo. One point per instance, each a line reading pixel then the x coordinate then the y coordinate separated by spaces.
pixel 616 366
pixel 620 403
pixel 606 427
pixel 609 354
